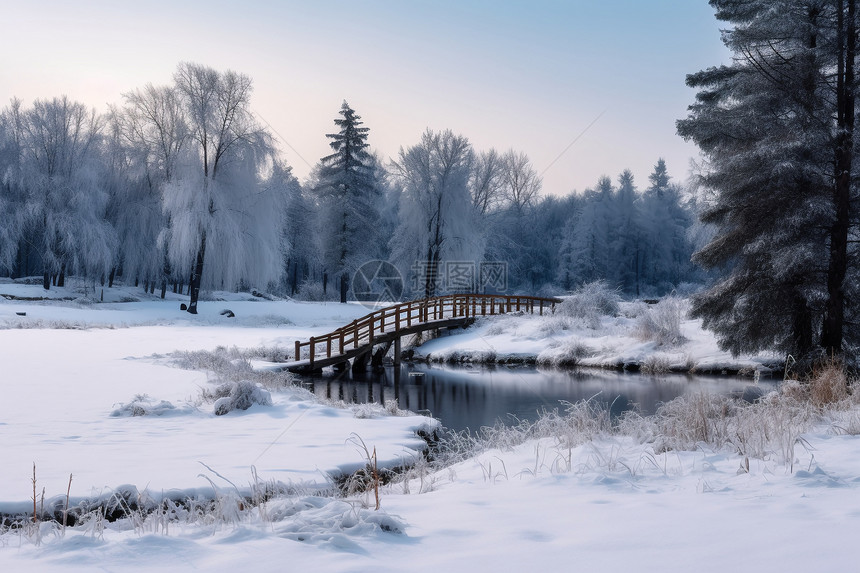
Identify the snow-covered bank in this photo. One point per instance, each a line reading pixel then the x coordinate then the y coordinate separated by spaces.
pixel 604 342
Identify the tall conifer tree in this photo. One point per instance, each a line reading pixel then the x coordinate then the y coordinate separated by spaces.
pixel 777 127
pixel 349 198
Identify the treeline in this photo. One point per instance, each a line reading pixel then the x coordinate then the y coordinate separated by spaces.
pixel 179 187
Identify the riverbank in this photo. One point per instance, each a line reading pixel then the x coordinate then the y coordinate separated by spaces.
pixel 616 342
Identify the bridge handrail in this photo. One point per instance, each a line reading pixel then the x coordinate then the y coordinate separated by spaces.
pixel 420 311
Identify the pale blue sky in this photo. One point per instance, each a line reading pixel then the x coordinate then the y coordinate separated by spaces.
pixel 527 75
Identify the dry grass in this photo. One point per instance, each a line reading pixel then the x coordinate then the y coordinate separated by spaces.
pixel 825 387
pixel 656 365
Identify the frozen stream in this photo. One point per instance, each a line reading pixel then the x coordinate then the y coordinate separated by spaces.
pixel 471 397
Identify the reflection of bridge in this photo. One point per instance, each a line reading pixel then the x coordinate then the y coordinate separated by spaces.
pixel 356 340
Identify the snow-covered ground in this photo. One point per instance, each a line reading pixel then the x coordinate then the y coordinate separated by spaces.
pixel 607 504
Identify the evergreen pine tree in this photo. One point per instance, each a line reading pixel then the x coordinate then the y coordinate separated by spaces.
pixel 774 124
pixel 349 198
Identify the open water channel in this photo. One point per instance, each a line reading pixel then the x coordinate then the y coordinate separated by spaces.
pixel 472 397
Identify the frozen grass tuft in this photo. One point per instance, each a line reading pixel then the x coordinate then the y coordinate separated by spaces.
pixel 655 365
pixel 556 324
pixel 661 323
pixel 568 353
pixel 144 405
pixel 372 410
pixel 590 302
pixel 828 384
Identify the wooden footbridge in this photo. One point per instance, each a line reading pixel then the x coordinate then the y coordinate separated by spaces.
pixel 385 326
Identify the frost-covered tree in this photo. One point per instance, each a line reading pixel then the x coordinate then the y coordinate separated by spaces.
pixel 153 131
pixel 777 128
pixel 635 242
pixel 520 182
pixel 298 250
pixel 514 237
pixel 11 195
pixel 437 220
pixel 487 180
pixel 664 260
pixel 588 238
pixel 61 178
pixel 625 237
pixel 218 206
pixel 349 197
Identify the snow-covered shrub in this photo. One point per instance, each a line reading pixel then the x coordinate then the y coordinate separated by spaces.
pixel 499 327
pixel 240 396
pixel 553 325
pixel 634 309
pixel 569 353
pixel 662 322
pixel 143 405
pixel 589 302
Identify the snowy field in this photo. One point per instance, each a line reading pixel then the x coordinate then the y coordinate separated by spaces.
pixel 72 372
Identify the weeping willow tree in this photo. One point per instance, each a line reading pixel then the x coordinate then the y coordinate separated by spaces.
pixel 219 206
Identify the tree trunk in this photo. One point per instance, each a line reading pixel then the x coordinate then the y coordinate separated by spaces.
pixel 61 281
pixel 166 271
pixel 343 287
pixel 196 274
pixel 111 277
pixel 802 327
pixel 834 311
pixel 46 280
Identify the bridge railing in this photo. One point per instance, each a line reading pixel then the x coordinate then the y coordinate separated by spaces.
pixel 404 315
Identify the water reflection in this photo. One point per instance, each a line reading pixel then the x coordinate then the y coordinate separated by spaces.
pixel 472 397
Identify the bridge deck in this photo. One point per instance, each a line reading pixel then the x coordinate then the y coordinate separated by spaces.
pixel 305 366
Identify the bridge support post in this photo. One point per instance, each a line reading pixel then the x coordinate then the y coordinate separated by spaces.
pixel 397 352
pixel 359 363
